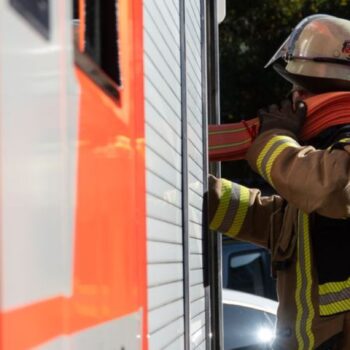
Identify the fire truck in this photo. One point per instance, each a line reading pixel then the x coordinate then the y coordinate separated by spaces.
pixel 104 107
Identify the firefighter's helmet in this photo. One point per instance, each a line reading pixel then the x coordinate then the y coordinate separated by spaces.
pixel 316 54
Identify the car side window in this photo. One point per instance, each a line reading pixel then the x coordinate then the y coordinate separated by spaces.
pixel 247 268
pixel 246 273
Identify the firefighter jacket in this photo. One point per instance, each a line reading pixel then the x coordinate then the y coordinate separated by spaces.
pixel 305 227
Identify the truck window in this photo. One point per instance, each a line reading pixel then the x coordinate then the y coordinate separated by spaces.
pixel 99 56
pixel 101 35
pixel 37 13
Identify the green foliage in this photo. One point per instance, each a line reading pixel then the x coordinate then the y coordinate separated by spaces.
pixel 249 36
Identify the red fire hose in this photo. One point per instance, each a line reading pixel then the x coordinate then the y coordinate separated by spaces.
pixel 231 141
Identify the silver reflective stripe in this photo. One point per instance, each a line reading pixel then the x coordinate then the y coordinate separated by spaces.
pixel 231 210
pixel 268 156
pixel 335 297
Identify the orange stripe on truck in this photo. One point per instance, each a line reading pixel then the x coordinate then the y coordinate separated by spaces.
pixel 109 278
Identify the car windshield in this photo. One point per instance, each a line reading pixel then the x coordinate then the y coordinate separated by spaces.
pixel 249 321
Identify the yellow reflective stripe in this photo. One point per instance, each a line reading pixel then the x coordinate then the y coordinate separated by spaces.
pixel 303 296
pixel 334 297
pixel 298 303
pixel 269 145
pixel 241 212
pixel 333 287
pixel 345 140
pixel 333 308
pixel 270 162
pixel 262 154
pixel 308 281
pixel 226 187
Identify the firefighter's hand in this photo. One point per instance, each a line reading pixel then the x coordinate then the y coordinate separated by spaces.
pixel 283 117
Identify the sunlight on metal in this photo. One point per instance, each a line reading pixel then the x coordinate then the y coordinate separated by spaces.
pixel 265 335
pixel 221 10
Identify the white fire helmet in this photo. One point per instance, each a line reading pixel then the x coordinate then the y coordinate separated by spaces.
pixel 317 55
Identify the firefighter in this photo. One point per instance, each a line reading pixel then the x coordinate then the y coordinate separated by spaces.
pixel 306 225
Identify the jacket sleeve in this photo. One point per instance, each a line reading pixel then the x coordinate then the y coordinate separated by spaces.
pixel 242 213
pixel 312 180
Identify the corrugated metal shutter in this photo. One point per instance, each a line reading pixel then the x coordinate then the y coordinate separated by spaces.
pixel 165 192
pixel 164 174
pixel 195 170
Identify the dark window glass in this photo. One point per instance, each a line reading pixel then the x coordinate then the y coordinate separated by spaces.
pixel 247 268
pixel 36 12
pixel 100 59
pixel 76 9
pixel 101 35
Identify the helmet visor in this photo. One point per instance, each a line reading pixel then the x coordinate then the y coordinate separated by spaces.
pixel 286 50
pixel 282 52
